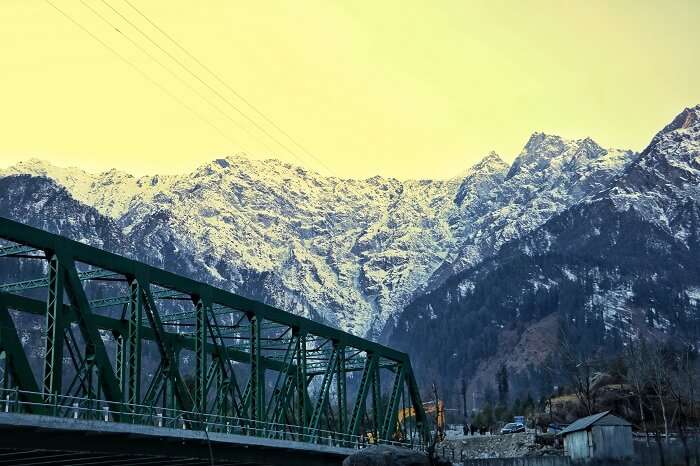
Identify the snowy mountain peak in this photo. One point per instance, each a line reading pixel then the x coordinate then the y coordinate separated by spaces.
pixel 543 151
pixel 550 175
pixel 689 117
pixel 538 139
pixel 687 121
pixel 491 162
pixel 38 167
pixel 665 176
pixel 481 178
pixel 679 140
pixel 692 117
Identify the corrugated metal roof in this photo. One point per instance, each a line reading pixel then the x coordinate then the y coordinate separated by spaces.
pixel 601 418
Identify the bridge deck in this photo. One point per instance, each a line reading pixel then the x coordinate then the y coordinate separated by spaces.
pixel 44 440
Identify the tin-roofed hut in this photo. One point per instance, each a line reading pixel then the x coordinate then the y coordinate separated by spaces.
pixel 600 436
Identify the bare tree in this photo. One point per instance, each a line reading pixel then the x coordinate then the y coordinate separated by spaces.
pixel 432 450
pixel 464 398
pixel 636 372
pixel 659 379
pixel 649 373
pixel 682 392
pixel 580 370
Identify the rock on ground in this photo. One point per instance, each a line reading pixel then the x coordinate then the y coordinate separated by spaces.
pixel 488 446
pixel 385 455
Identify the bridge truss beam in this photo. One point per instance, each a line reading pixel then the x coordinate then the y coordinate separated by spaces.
pixel 140 338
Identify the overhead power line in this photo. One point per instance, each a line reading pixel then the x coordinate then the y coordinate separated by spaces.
pixel 143 73
pixel 202 81
pixel 154 82
pixel 229 87
pixel 172 73
pixel 329 224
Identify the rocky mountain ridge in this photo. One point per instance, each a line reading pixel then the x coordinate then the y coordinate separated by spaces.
pixel 351 252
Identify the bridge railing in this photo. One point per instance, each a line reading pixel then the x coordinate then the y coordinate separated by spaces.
pixel 78 408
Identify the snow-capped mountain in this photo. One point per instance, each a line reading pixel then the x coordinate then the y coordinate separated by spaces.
pixel 482 269
pixel 550 175
pixel 347 251
pixel 40 202
pixel 618 264
pixel 351 252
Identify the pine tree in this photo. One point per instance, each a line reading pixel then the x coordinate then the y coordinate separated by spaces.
pixel 502 384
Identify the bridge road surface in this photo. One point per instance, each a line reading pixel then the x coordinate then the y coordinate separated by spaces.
pixel 33 440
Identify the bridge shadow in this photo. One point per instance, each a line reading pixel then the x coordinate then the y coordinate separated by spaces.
pixel 31 440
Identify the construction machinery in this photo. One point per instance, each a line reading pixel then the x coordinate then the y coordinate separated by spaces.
pixel 432 409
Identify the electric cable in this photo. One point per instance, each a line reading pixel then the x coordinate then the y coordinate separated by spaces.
pixel 142 73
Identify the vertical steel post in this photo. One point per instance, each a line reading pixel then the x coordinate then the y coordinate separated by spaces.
pixel 90 369
pixel 200 343
pixel 221 392
pixel 120 361
pixel 133 344
pixel 301 379
pixel 257 372
pixel 341 389
pixel 5 366
pixel 377 399
pixel 55 324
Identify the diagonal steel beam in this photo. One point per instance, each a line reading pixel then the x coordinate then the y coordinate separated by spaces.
pixel 19 233
pixel 174 380
pixel 391 415
pixel 417 405
pixel 18 363
pixel 90 332
pixel 283 384
pixel 227 374
pixel 154 387
pixel 358 409
pixel 323 392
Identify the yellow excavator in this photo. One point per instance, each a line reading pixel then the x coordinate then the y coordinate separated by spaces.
pixel 435 410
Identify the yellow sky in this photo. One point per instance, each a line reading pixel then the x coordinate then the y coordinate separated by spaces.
pixel 402 88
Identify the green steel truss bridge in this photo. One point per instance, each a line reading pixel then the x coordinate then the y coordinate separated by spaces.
pixel 90 335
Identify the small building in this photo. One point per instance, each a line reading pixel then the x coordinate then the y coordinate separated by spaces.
pixel 600 436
